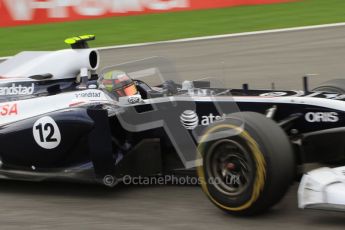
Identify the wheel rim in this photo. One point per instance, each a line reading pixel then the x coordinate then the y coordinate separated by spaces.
pixel 229 167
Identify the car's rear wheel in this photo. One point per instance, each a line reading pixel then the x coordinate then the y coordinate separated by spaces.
pixel 250 171
pixel 332 86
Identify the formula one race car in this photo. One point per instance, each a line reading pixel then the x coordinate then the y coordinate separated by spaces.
pixel 63 120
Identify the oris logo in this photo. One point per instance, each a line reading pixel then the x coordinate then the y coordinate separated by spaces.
pixel 322 117
pixel 189 119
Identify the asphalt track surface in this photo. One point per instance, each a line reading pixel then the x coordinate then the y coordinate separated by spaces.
pixel 259 60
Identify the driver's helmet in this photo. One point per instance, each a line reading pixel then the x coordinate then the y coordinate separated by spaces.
pixel 119 84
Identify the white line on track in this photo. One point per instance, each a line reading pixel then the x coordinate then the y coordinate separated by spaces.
pixel 226 36
pixel 220 36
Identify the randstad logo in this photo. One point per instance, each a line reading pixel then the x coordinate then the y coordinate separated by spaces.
pixel 17 90
pixel 190 119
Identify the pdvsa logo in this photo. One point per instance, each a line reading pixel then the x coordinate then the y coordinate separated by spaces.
pixel 189 119
pixel 8 110
pixel 321 117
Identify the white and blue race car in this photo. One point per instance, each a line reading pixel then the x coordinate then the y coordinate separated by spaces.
pixel 59 120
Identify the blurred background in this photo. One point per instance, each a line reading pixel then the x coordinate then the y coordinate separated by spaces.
pixel 258 58
pixel 44 24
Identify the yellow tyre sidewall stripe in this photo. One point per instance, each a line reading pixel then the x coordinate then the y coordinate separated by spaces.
pixel 259 162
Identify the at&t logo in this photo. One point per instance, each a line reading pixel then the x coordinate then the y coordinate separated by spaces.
pixel 189 119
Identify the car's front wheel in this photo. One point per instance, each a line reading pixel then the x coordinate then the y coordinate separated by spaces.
pixel 249 171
